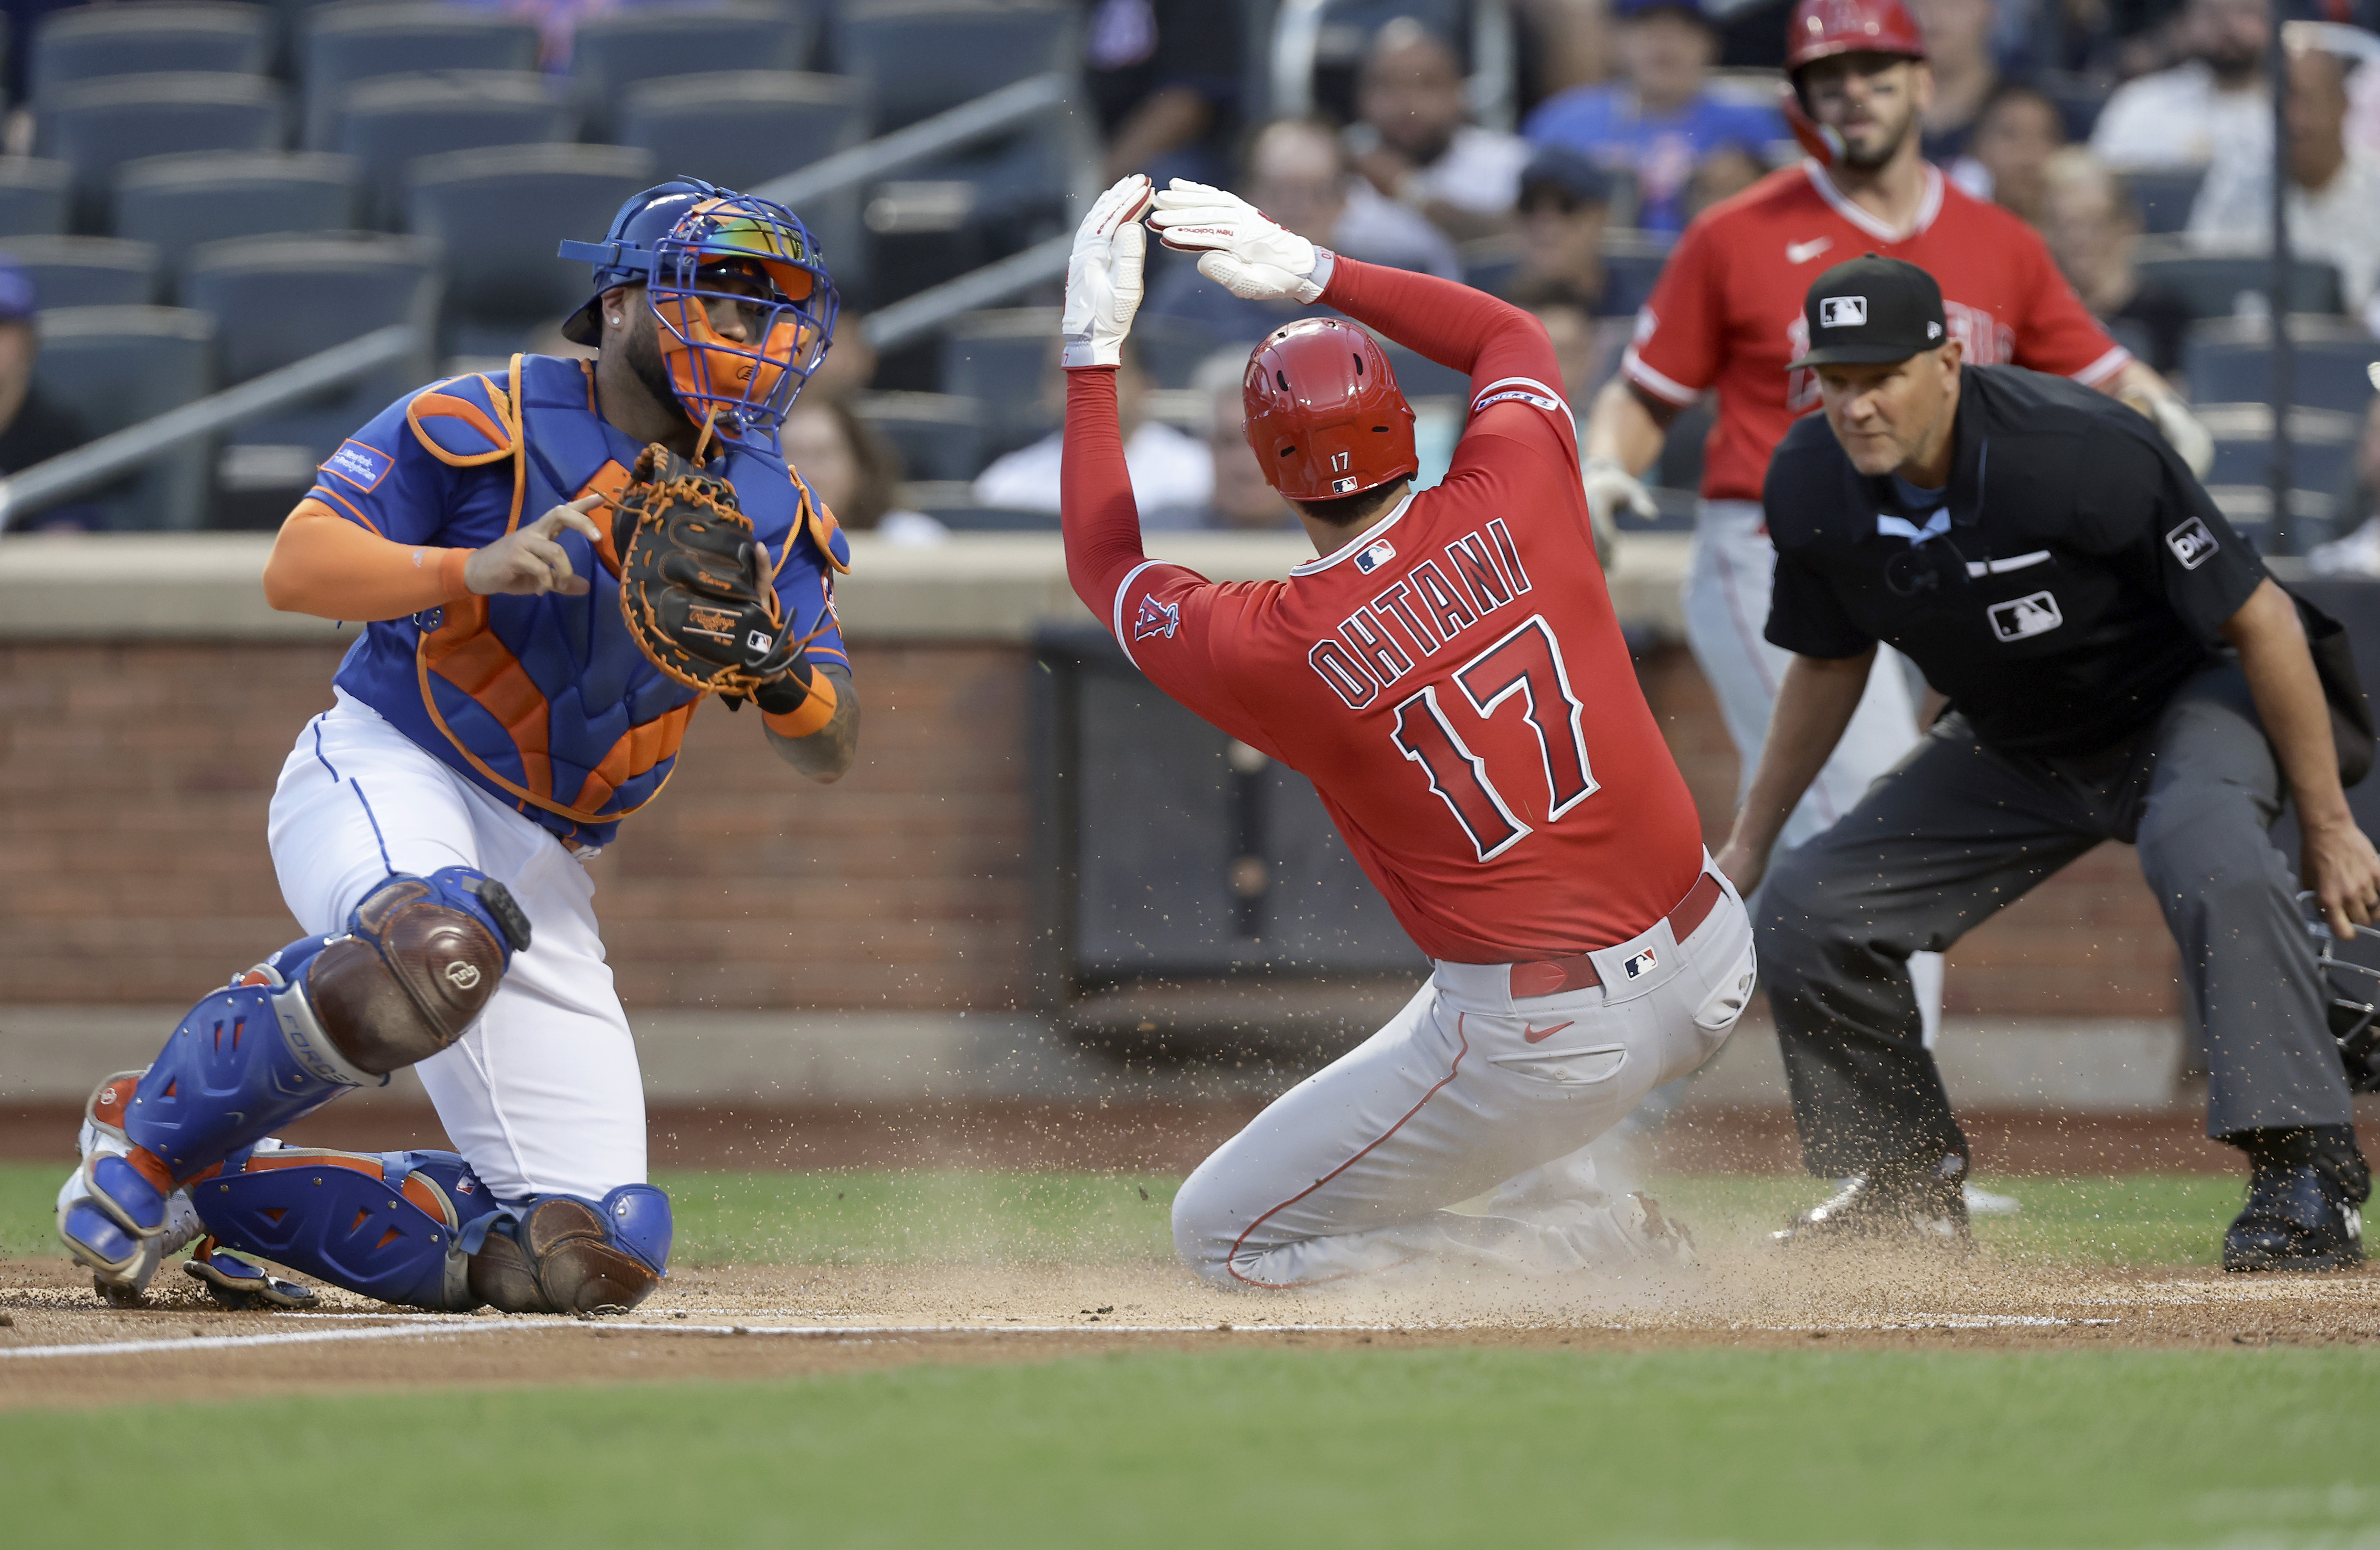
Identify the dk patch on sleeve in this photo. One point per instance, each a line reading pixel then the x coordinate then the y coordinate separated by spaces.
pixel 360 466
pixel 2191 543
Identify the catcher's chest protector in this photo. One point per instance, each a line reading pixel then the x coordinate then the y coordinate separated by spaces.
pixel 549 698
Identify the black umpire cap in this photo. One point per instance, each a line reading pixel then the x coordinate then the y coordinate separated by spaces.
pixel 1871 311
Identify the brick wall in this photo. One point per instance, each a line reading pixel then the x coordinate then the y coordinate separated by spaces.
pixel 134 781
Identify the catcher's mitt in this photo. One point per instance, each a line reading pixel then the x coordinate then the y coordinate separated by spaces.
pixel 694 583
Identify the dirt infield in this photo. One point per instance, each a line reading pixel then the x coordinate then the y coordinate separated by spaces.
pixel 60 1348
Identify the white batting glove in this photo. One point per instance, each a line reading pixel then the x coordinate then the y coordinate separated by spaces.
pixel 2182 432
pixel 1609 487
pixel 1242 248
pixel 1103 275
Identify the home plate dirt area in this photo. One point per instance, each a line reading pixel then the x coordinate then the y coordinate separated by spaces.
pixel 60 1347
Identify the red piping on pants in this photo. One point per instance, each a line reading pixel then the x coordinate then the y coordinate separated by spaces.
pixel 1229 1264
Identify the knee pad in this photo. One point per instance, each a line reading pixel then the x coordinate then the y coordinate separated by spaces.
pixel 398 1226
pixel 562 1254
pixel 419 961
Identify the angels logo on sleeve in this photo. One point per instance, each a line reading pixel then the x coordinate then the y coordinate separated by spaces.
pixel 1156 619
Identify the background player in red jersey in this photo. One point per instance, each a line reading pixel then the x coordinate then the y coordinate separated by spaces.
pixel 1451 676
pixel 1727 315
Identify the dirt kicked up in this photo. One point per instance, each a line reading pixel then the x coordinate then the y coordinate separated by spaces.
pixel 60 1347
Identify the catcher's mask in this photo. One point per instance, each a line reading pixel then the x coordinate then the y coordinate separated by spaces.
pixel 2353 992
pixel 691 243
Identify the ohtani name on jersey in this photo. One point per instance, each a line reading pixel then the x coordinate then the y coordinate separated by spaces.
pixel 1420 613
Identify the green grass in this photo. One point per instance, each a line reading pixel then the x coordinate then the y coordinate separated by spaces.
pixel 948 1214
pixel 1310 1450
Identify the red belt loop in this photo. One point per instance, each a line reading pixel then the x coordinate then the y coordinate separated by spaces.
pixel 1553 976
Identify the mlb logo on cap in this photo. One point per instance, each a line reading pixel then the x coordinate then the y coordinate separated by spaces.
pixel 1843 311
pixel 1868 311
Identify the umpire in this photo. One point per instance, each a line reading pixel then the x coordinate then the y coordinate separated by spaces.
pixel 2118 665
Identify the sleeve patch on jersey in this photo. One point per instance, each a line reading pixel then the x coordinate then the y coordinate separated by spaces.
pixel 360 465
pixel 1156 619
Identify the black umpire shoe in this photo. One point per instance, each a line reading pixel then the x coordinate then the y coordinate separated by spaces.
pixel 1884 1212
pixel 2303 1210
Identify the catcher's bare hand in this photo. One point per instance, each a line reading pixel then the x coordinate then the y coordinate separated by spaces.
pixel 527 561
pixel 2338 863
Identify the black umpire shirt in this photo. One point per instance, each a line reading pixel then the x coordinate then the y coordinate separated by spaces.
pixel 2066 582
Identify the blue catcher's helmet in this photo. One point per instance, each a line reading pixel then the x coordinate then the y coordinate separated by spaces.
pixel 691 243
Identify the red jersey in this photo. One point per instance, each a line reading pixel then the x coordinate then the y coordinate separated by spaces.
pixel 1453 680
pixel 1727 311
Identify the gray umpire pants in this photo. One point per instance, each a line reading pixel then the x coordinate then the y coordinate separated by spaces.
pixel 1957 830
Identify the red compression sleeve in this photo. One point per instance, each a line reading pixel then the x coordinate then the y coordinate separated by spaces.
pixel 1101 520
pixel 1452 324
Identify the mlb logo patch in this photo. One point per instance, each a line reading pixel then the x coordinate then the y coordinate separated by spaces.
pixel 759 640
pixel 1843 311
pixel 2191 543
pixel 1372 559
pixel 2022 617
pixel 1156 619
pixel 360 466
pixel 1640 966
pixel 1343 487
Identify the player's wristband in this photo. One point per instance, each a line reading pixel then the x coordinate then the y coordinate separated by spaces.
pixel 450 574
pixel 813 711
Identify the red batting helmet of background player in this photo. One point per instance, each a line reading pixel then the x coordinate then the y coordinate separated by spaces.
pixel 1822 29
pixel 1325 415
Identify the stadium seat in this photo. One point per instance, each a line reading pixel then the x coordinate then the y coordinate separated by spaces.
pixel 118 365
pixel 500 212
pixel 391 121
pixel 1632 261
pixel 348 42
pixel 2229 360
pixel 86 270
pixel 99 125
pixel 2079 100
pixel 1002 360
pixel 88 43
pixel 1421 377
pixel 1172 349
pixel 922 56
pixel 740 129
pixel 2164 199
pixel 33 196
pixel 180 202
pixel 2217 286
pixel 940 435
pixel 279 300
pixel 613 52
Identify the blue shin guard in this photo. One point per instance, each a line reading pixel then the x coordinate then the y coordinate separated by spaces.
pixel 419 959
pixel 398 1226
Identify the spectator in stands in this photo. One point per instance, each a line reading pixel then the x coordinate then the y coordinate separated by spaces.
pixel 2014 137
pixel 850 364
pixel 2092 225
pixel 1171 471
pixel 33 430
pixel 1413 144
pixel 2333 195
pixel 1959 53
pixel 1241 502
pixel 2216 99
pixel 1660 120
pixel 1565 208
pixel 848 464
pixel 1298 174
pixel 1722 174
pixel 1586 345
pixel 1164 78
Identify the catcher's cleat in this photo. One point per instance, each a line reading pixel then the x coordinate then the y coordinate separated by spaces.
pixel 1924 1211
pixel 112 1219
pixel 238 1285
pixel 2302 1214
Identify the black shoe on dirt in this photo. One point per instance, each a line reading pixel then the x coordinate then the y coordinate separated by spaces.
pixel 2300 1216
pixel 1886 1213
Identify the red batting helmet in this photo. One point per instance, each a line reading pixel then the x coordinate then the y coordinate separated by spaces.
pixel 1822 29
pixel 1325 415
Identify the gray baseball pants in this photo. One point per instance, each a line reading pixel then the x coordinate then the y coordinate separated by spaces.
pixel 1957 830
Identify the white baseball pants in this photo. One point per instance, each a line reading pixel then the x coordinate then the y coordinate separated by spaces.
pixel 1727 583
pixel 542 1095
pixel 1348 1173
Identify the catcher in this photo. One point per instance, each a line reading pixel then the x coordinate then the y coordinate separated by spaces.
pixel 523 686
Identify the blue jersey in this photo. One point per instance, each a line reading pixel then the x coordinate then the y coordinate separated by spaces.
pixel 1605 124
pixel 545 702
